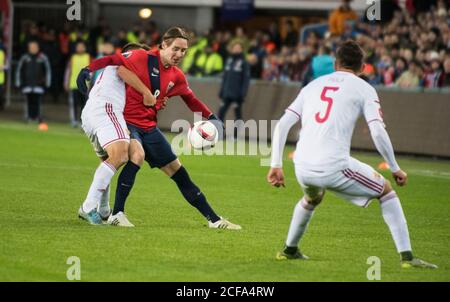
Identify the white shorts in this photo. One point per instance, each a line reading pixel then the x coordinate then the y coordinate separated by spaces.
pixel 359 183
pixel 103 124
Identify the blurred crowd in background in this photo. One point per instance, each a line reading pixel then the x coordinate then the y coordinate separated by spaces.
pixel 410 50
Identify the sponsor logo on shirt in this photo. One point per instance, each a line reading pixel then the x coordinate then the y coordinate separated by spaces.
pixel 170 86
pixel 127 54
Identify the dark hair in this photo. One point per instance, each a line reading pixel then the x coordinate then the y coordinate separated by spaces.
pixel 133 45
pixel 33 41
pixel 80 41
pixel 174 33
pixel 350 55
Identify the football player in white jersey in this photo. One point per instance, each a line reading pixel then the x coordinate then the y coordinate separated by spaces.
pixel 104 124
pixel 328 109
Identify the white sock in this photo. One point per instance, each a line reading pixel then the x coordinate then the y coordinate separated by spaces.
pixel 303 212
pixel 104 208
pixel 392 212
pixel 102 178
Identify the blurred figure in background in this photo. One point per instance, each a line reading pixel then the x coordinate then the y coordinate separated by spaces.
pixel 33 76
pixel 446 80
pixel 208 63
pixel 411 77
pixel 292 35
pixel 322 63
pixel 50 47
pixel 236 79
pixel 434 77
pixel 104 49
pixel 339 17
pixel 3 67
pixel 77 100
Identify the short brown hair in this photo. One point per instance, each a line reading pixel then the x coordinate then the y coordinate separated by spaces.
pixel 133 46
pixel 173 33
pixel 350 55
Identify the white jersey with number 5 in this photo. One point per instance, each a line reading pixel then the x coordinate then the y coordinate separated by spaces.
pixel 329 108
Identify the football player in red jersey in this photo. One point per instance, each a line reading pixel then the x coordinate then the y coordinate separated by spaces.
pixel 157 69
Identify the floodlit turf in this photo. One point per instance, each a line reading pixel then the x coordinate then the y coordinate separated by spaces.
pixel 44 177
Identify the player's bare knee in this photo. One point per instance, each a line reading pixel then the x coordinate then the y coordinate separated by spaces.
pixel 136 152
pixel 314 201
pixel 387 188
pixel 118 154
pixel 171 168
pixel 122 158
pixel 137 157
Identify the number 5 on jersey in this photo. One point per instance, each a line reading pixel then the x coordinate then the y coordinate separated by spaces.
pixel 329 100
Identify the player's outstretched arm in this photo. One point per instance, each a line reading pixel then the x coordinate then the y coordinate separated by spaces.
pixel 112 60
pixel 275 176
pixel 383 144
pixel 133 80
pixel 85 73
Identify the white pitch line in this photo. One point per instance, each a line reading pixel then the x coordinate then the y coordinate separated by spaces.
pixel 39 166
pixel 431 173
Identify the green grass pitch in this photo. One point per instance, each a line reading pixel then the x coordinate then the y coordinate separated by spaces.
pixel 44 177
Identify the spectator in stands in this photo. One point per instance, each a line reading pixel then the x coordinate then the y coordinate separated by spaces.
pixel 268 45
pixel 241 36
pixel 208 63
pixel 297 67
pixel 133 34
pixel 31 34
pixel 33 76
pixel 79 33
pixel 104 49
pixel 339 17
pixel 322 63
pixel 235 81
pixel 3 67
pixel 198 43
pixel 411 77
pixel 154 36
pixel 223 44
pixel 77 100
pixel 274 34
pixel 292 35
pixel 312 41
pixel 51 49
pixel 400 67
pixel 271 71
pixel 386 70
pixel 446 77
pixel 283 62
pixel 256 55
pixel 121 39
pixel 434 76
pixel 370 75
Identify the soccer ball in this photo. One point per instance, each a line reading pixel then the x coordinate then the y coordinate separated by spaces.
pixel 203 135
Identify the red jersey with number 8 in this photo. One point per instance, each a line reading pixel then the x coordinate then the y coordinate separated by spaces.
pixel 172 83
